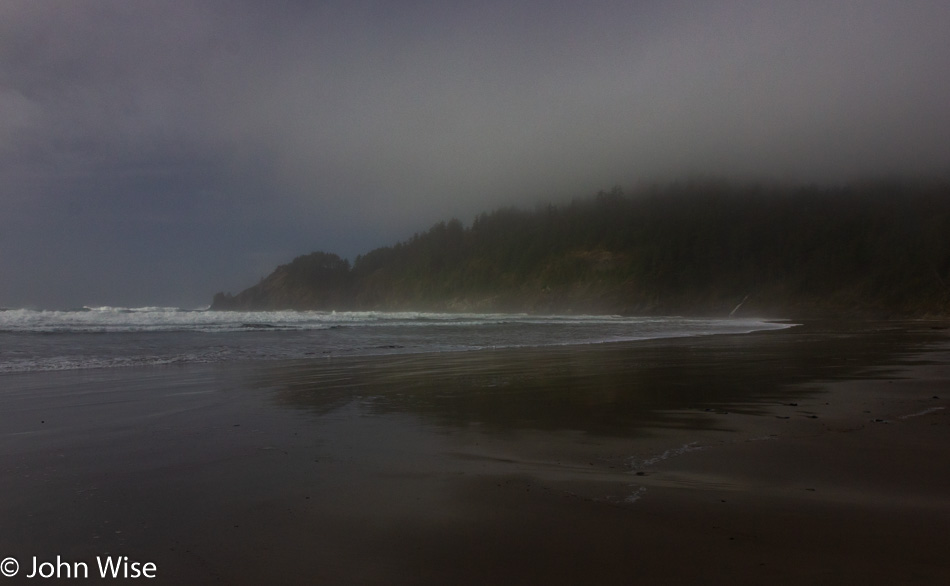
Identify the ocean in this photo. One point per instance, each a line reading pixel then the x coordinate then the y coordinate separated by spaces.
pixel 113 337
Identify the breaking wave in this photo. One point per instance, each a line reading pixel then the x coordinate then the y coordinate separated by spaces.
pixel 32 340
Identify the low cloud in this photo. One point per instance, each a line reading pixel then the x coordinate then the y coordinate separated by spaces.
pixel 243 131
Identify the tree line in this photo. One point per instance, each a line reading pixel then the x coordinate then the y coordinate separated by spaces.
pixel 697 247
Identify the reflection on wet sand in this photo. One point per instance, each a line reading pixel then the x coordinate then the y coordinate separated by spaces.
pixel 609 389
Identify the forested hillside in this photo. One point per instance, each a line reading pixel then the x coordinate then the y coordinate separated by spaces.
pixel 699 247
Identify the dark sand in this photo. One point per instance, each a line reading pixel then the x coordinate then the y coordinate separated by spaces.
pixel 816 455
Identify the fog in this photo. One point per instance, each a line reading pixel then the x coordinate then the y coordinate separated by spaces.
pixel 152 153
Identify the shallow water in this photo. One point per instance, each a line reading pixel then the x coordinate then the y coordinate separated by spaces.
pixel 110 337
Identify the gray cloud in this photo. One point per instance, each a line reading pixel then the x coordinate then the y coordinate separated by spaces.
pixel 154 152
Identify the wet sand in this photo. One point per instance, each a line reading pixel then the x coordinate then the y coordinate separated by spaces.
pixel 814 455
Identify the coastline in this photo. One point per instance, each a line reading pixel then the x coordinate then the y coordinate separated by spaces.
pixel 741 459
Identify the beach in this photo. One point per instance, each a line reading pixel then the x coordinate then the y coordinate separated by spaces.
pixel 810 455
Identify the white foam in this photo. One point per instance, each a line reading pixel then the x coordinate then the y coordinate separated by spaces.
pixel 672 452
pixel 635 495
pixel 924 412
pixel 118 319
pixel 66 363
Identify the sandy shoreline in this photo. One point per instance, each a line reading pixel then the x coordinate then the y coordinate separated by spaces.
pixel 806 456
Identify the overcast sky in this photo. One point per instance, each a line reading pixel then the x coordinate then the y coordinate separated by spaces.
pixel 155 152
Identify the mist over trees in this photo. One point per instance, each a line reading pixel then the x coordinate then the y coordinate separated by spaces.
pixel 697 247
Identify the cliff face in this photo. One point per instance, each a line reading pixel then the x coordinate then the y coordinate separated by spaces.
pixel 702 248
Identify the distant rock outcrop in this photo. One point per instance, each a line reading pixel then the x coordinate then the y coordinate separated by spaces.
pixel 315 281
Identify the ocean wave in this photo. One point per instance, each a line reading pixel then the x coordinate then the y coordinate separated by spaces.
pixel 56 364
pixel 110 337
pixel 130 319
